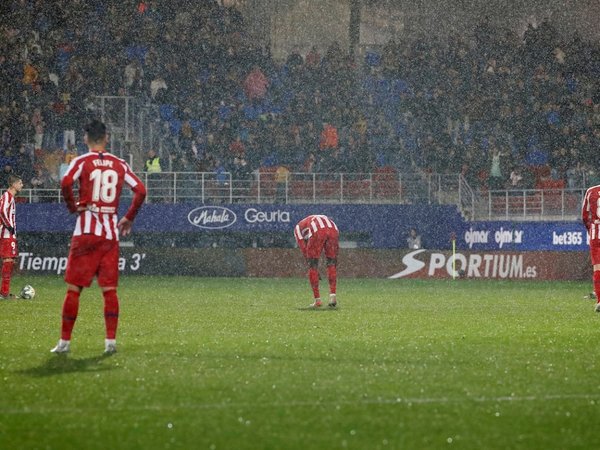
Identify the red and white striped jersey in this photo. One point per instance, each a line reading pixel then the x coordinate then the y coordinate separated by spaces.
pixel 101 176
pixel 309 225
pixel 7 214
pixel 590 213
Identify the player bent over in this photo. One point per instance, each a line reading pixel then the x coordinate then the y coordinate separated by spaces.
pixel 315 234
pixel 8 235
pixel 94 248
pixel 590 215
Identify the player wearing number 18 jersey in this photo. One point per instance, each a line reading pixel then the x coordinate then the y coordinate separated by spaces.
pixel 590 215
pixel 95 243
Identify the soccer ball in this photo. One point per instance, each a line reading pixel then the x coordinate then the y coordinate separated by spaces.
pixel 28 292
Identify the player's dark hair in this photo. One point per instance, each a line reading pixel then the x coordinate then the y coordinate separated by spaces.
pixel 13 178
pixel 95 131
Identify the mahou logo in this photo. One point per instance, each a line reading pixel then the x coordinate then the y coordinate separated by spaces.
pixel 212 217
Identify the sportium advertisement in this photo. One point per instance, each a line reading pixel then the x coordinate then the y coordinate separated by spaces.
pixel 495 265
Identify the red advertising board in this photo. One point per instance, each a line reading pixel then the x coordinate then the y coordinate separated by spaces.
pixel 495 265
pixel 352 263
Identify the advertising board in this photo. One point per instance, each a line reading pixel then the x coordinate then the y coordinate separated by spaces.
pixel 386 225
pixel 353 263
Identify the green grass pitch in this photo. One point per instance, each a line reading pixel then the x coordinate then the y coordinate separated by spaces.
pixel 238 364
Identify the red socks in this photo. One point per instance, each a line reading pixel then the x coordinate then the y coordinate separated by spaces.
pixel 313 277
pixel 71 307
pixel 596 278
pixel 69 314
pixel 111 313
pixel 332 276
pixel 7 267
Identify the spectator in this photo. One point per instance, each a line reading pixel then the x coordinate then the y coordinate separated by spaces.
pixel 414 239
pixel 38 125
pixel 222 178
pixel 516 178
pixel 240 170
pixel 313 58
pixel 329 137
pixel 30 74
pixel 62 168
pixel 51 162
pixel 255 84
pixel 5 140
pixel 152 164
pixel 281 183
pixel 496 177
pixel 237 148
pixel 180 163
pixel 70 120
pixel 8 170
pixel 157 85
pixel 23 165
pixel 310 163
pixel 153 169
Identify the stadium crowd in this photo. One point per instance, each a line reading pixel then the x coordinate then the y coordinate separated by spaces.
pixel 505 111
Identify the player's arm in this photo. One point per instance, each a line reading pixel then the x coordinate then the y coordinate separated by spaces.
pixel 4 211
pixel 139 195
pixel 4 215
pixel 299 239
pixel 585 209
pixel 66 186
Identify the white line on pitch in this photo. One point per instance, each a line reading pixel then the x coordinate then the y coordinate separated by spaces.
pixel 366 401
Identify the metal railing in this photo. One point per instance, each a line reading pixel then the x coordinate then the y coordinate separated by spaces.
pixel 466 198
pixel 264 187
pixel 530 204
pixel 267 187
pixel 369 188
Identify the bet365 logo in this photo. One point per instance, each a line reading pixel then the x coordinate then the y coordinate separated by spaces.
pixel 567 238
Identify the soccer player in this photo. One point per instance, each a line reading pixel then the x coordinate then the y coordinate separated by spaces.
pixel 590 215
pixel 315 234
pixel 8 233
pixel 95 243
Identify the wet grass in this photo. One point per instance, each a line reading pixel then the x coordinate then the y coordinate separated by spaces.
pixel 239 364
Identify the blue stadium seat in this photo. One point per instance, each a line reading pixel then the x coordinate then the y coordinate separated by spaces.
pixel 372 59
pixel 167 112
pixel 175 126
pixel 197 126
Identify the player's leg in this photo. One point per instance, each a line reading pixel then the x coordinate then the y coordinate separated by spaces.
pixel 332 247
pixel 111 318
pixel 81 268
pixel 314 247
pixel 70 310
pixel 332 278
pixel 595 257
pixel 7 268
pixel 313 278
pixel 8 253
pixel 108 279
pixel 596 280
